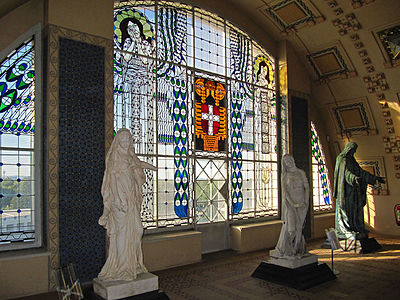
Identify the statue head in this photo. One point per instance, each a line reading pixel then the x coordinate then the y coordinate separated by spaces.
pixel 288 163
pixel 121 145
pixel 350 148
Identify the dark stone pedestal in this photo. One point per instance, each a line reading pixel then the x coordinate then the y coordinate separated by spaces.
pixel 369 245
pixel 299 278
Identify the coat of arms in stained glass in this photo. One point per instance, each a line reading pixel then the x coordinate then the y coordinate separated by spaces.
pixel 210 115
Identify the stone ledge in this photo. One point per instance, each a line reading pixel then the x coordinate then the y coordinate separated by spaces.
pixel 177 248
pixel 255 236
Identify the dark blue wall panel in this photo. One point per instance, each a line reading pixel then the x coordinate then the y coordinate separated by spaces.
pixel 81 156
pixel 301 145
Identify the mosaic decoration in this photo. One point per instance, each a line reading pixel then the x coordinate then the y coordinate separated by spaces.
pixel 210 115
pixel 17 91
pixel 319 159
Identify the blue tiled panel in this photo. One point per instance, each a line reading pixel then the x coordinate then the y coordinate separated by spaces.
pixel 81 156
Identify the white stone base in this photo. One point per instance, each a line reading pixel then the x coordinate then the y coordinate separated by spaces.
pixel 292 262
pixel 145 282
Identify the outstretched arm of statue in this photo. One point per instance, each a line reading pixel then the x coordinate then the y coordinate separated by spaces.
pixel 145 165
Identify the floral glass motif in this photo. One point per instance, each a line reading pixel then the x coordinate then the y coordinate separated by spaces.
pixel 188 85
pixel 321 184
pixel 17 129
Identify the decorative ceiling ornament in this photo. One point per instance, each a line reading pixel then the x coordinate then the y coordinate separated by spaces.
pixel 353 117
pixel 331 63
pixel 390 44
pixel 360 3
pixel 291 15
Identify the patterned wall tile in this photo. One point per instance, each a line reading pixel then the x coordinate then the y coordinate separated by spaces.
pixel 53 34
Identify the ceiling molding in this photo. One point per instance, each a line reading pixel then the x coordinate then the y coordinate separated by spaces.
pixel 331 62
pixel 353 117
pixel 291 15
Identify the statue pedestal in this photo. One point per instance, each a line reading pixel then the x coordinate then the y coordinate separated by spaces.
pixel 299 278
pixel 292 262
pixel 145 282
pixel 297 272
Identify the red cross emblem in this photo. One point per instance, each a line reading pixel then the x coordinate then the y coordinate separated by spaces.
pixel 210 118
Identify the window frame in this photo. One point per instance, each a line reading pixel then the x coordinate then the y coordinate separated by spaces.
pixel 193 69
pixel 34 32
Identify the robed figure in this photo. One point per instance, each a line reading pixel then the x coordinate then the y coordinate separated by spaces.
pixel 350 191
pixel 122 198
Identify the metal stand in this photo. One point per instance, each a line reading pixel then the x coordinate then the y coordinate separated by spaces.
pixel 336 272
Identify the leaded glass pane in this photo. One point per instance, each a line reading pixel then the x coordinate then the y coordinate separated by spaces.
pixel 17 130
pixel 209 42
pixel 185 89
pixel 211 191
pixel 321 184
pixel 266 189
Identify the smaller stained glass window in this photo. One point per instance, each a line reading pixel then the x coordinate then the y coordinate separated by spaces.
pixel 321 185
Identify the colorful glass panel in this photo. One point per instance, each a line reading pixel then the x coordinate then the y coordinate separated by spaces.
pixel 210 114
pixel 17 130
pixel 184 85
pixel 321 184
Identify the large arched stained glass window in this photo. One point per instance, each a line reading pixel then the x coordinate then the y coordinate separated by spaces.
pixel 20 222
pixel 321 185
pixel 199 98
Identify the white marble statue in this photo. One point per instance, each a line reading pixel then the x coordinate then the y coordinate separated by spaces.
pixel 122 198
pixel 295 202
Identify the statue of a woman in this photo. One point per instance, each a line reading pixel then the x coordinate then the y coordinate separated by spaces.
pixel 122 198
pixel 295 202
pixel 350 188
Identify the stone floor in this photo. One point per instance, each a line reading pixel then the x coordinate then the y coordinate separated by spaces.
pixel 226 275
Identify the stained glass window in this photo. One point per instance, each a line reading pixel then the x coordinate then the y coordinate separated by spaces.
pixel 19 187
pixel 199 98
pixel 321 185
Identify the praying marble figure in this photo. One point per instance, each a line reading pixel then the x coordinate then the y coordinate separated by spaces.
pixel 122 198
